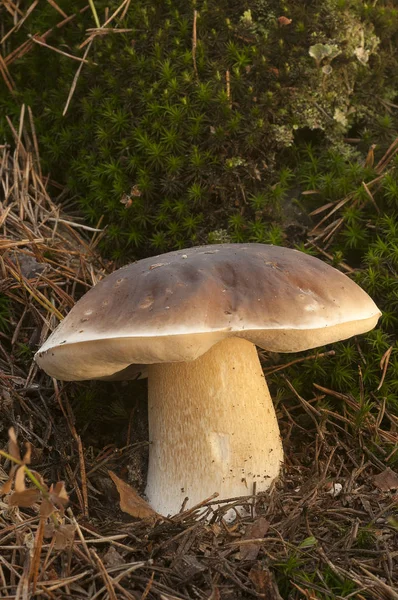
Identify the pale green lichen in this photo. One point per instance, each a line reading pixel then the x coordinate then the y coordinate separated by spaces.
pixel 218 236
pixel 321 51
pixel 234 162
pixel 247 19
pixel 283 135
pixel 340 117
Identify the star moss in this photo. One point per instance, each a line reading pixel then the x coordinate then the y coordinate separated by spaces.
pixel 167 143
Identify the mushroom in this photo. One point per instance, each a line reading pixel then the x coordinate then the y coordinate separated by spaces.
pixel 192 320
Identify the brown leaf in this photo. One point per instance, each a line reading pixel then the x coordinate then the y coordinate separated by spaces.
pixel 264 583
pixel 260 578
pixel 284 21
pixel 386 480
pixel 46 508
pixel 64 536
pixel 24 499
pixel 130 502
pixel 6 487
pixel 13 449
pixel 49 529
pixel 254 531
pixel 135 191
pixel 28 453
pixel 57 498
pixel 19 483
pixel 112 558
pixel 58 494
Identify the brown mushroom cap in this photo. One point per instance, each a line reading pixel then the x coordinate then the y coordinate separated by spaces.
pixel 175 306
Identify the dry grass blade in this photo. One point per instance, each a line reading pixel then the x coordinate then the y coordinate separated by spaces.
pixel 194 43
pixel 107 579
pixel 100 29
pixel 42 258
pixel 35 565
pixel 384 365
pixel 324 232
pixel 388 156
pixel 36 39
pixel 29 44
pixel 57 8
pixel 270 370
pixel 6 75
pixel 320 209
pixel 335 208
pixel 75 80
pixel 20 22
pixel 370 195
pixel 12 9
pixel 23 250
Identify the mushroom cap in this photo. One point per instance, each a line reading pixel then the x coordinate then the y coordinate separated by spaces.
pixel 174 307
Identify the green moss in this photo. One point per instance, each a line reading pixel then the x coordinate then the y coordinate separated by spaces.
pixel 144 124
pixel 366 239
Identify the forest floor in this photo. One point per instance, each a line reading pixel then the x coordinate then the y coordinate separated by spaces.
pixel 323 532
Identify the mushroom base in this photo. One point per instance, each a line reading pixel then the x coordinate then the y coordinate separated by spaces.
pixel 213 428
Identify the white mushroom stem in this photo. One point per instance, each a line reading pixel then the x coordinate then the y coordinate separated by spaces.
pixel 213 428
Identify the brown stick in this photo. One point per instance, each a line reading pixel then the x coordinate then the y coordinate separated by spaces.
pixel 298 360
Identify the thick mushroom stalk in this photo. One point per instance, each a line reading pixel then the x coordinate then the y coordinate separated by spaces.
pixel 212 427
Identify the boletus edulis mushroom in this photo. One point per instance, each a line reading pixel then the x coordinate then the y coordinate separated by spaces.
pixel 191 321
